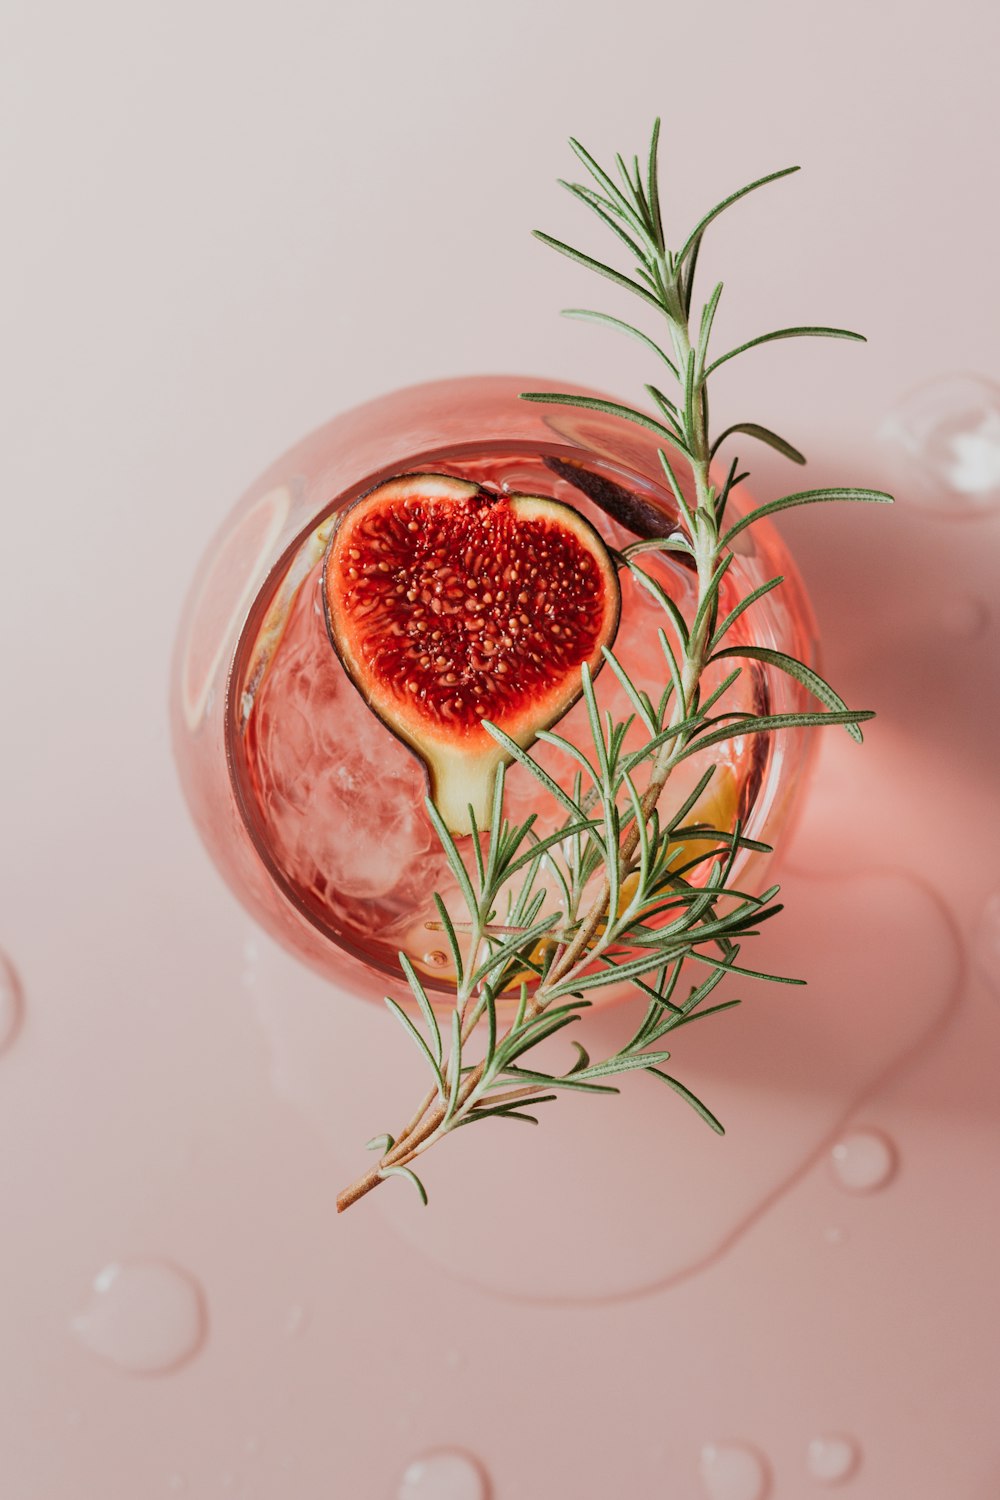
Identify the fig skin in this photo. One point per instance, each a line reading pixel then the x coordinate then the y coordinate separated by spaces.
pixel 622 505
pixel 384 660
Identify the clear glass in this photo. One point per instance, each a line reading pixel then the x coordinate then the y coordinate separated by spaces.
pixel 311 808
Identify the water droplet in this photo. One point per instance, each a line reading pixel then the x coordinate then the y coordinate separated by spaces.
pixel 436 959
pixel 145 1316
pixel 733 1471
pixel 986 944
pixel 832 1458
pixel 944 439
pixel 863 1160
pixel 10 1002
pixel 964 617
pixel 444 1475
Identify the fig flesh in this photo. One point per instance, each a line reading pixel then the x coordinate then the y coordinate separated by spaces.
pixel 449 604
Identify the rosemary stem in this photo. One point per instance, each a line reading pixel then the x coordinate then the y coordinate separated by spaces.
pixel 581 950
pixel 359 1188
pixel 469 1023
pixel 604 853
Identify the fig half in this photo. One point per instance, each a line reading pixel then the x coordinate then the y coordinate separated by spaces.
pixel 448 604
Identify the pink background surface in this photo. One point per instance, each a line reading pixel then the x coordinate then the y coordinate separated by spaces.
pixel 225 224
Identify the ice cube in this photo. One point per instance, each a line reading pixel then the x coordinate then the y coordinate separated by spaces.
pixel 344 799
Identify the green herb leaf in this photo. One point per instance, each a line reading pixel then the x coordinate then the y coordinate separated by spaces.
pixel 800 672
pixel 585 315
pixel 410 1177
pixel 784 333
pixel 690 1098
pixel 694 238
pixel 804 497
pixel 610 408
pixel 763 435
pixel 595 265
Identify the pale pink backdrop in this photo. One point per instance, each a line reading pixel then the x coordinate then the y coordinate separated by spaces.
pixel 222 224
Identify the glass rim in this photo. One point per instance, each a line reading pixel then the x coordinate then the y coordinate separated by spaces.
pixel 243 799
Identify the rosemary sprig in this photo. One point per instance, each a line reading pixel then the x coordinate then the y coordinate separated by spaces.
pixel 629 909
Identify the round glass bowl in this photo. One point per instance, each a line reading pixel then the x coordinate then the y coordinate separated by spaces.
pixel 313 811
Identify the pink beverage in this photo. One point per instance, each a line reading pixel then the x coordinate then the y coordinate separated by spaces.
pixel 313 809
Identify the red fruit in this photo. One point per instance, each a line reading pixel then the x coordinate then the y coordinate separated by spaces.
pixel 449 604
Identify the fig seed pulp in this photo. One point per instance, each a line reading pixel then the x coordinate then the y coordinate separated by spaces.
pixel 450 604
